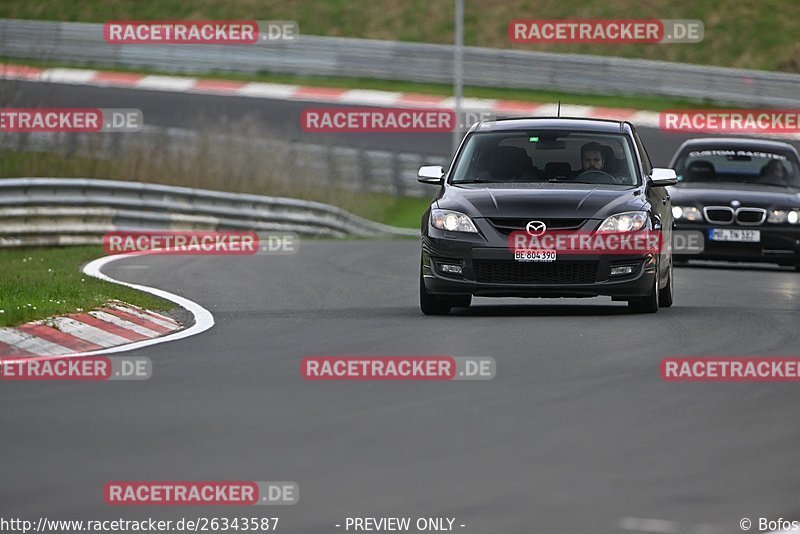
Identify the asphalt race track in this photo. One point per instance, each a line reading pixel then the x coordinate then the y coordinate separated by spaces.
pixel 576 432
pixel 280 117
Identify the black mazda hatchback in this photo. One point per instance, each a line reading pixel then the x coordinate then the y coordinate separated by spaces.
pixel 548 207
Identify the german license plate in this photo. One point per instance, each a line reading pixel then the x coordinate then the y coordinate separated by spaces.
pixel 534 255
pixel 736 235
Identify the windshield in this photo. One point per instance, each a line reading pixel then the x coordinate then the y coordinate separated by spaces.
pixel 739 166
pixel 546 156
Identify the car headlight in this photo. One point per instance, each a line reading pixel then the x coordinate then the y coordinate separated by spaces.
pixel 688 213
pixel 782 216
pixel 630 221
pixel 452 221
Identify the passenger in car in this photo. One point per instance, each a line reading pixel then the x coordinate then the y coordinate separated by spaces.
pixel 774 172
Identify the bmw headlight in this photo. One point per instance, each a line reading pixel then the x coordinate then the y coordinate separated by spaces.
pixel 630 221
pixel 784 216
pixel 687 213
pixel 452 221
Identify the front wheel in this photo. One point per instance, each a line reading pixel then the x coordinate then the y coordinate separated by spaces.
pixel 648 304
pixel 665 295
pixel 429 304
pixel 437 305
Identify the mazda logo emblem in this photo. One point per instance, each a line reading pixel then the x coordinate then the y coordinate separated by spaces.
pixel 535 228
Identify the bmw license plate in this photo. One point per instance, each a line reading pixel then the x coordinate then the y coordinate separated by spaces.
pixel 730 234
pixel 534 255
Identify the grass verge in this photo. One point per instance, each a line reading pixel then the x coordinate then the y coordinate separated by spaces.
pixel 43 282
pixel 758 34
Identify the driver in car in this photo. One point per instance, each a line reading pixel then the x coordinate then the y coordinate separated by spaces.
pixel 592 157
pixel 593 160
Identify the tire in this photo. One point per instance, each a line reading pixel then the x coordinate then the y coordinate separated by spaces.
pixel 797 267
pixel 431 304
pixel 648 304
pixel 665 295
pixel 462 301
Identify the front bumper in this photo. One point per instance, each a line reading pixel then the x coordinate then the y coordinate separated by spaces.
pixel 492 272
pixel 779 244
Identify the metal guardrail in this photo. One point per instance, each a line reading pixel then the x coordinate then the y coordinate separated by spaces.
pixel 83 43
pixel 57 211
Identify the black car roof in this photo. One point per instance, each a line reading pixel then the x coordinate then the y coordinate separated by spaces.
pixel 738 142
pixel 556 123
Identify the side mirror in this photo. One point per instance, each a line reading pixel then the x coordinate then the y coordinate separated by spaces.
pixel 430 174
pixel 663 177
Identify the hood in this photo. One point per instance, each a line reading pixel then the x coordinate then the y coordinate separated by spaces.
pixel 758 196
pixel 546 200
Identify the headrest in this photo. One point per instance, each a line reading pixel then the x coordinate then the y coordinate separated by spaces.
pixel 558 169
pixel 509 162
pixel 700 170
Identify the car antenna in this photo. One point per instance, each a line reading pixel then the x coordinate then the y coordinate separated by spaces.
pixel 559 109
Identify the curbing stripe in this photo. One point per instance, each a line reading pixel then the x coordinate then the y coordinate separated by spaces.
pixel 166 83
pixel 31 344
pixel 88 333
pixel 128 333
pixel 115 78
pixel 268 90
pixel 217 86
pixel 150 313
pixel 73 76
pixel 133 312
pixel 7 350
pixel 374 98
pixel 385 98
pixel 140 321
pixel 362 97
pixel 54 335
pixel 320 93
pixel 126 328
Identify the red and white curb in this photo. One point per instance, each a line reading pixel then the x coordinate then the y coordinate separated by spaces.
pixel 113 325
pixel 361 97
pixel 117 327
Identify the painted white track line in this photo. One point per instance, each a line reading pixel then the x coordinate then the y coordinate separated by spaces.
pixel 203 320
